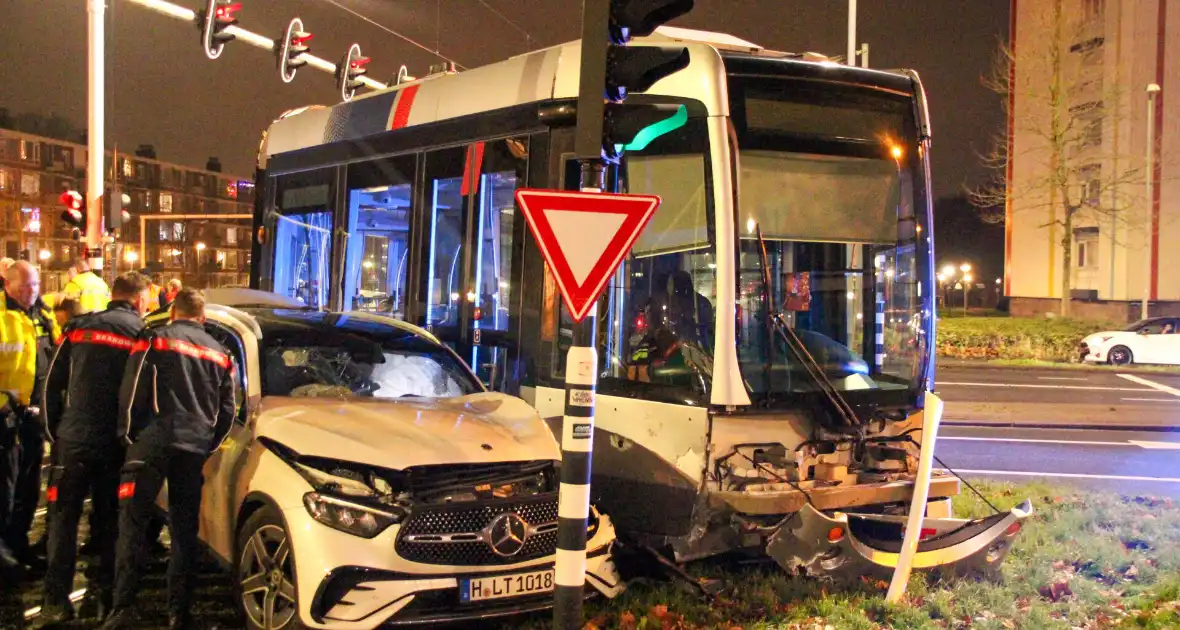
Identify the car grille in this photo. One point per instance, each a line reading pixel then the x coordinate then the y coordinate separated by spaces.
pixel 471 519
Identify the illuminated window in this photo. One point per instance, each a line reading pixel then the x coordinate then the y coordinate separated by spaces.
pixel 231 236
pixel 128 168
pixel 165 202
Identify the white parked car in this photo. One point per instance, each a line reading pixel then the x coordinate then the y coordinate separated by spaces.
pixel 371 479
pixel 1154 340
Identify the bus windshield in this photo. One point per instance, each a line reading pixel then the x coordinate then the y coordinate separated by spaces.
pixel 832 178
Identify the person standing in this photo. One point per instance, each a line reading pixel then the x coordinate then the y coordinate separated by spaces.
pixel 176 406
pixel 85 286
pixel 82 426
pixel 169 294
pixel 27 334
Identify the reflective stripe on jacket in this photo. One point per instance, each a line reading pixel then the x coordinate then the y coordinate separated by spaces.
pixel 18 350
pixel 90 291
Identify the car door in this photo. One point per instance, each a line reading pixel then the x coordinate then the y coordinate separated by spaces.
pixel 1168 345
pixel 1150 342
pixel 223 469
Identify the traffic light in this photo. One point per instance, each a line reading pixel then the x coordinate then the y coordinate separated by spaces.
pixel 349 72
pixel 610 69
pixel 218 16
pixel 75 213
pixel 293 46
pixel 114 213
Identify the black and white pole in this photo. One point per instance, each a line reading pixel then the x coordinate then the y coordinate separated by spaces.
pixel 577 454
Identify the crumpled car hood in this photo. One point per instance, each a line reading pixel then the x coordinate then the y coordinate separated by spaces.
pixel 479 428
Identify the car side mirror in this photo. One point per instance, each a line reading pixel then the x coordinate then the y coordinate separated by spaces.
pixel 1143 331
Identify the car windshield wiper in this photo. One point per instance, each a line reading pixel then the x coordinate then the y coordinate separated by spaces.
pixel 776 324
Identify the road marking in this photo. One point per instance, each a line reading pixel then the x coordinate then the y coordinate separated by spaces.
pixel 1060 378
pixel 1031 441
pixel 1152 384
pixel 1035 386
pixel 1175 446
pixel 1022 473
pixel 1166 400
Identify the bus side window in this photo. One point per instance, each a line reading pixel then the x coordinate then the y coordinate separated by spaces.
pixel 376 261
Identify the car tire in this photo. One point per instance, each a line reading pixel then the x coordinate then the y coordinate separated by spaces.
pixel 1120 355
pixel 264 574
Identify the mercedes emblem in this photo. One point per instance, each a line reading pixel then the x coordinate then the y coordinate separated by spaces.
pixel 507 534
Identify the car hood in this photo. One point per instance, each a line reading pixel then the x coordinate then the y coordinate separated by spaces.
pixel 1098 336
pixel 479 428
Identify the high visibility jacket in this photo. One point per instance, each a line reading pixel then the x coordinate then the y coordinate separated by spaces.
pixel 90 291
pixel 18 349
pixel 153 297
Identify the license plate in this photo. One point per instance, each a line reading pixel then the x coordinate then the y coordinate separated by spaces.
pixel 501 586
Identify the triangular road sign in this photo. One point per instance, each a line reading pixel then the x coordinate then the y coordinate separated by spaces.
pixel 584 236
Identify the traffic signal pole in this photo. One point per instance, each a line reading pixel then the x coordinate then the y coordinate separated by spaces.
pixel 95 130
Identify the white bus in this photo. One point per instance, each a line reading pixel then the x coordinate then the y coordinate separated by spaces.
pixel 717 432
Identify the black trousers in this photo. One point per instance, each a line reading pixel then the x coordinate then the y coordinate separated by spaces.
pixel 9 462
pixel 26 486
pixel 81 470
pixel 182 471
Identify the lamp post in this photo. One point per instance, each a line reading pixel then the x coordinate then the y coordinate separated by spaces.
pixel 851 60
pixel 1149 188
pixel 966 288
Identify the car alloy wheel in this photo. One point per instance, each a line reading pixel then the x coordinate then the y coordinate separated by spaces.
pixel 266 580
pixel 1120 355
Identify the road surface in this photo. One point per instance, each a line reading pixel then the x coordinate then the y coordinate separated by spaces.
pixel 1129 462
pixel 998 396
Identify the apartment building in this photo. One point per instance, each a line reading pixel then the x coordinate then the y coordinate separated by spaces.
pixel 1125 236
pixel 176 228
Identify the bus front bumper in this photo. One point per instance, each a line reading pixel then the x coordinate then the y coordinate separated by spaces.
pixel 845 546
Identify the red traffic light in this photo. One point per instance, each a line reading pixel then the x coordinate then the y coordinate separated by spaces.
pixel 73 200
pixel 357 64
pixel 300 39
pixel 226 13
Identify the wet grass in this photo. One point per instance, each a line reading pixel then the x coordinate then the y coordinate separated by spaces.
pixel 1084 561
pixel 1089 561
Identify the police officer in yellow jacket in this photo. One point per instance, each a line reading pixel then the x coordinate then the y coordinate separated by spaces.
pixel 91 291
pixel 27 334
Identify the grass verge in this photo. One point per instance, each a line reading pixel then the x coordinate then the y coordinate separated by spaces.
pixel 1087 561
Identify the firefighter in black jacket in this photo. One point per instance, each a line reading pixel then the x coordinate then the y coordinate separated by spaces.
pixel 88 368
pixel 176 407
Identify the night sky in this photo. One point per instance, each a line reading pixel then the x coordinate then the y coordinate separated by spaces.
pixel 163 91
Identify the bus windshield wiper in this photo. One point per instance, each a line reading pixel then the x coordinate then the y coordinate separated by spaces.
pixel 776 324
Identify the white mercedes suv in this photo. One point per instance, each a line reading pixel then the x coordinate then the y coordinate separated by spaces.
pixel 371 480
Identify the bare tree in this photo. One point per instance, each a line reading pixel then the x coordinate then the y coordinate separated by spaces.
pixel 1063 166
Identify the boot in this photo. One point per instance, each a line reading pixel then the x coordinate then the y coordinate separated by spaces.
pixel 54 616
pixel 121 619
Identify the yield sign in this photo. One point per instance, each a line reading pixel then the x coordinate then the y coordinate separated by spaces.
pixel 584 237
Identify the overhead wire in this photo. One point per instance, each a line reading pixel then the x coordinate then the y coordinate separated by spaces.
pixel 528 38
pixel 393 32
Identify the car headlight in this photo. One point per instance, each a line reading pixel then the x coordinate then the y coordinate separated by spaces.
pixel 349 516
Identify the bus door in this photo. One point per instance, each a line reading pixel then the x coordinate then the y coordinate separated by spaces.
pixel 299 225
pixel 472 237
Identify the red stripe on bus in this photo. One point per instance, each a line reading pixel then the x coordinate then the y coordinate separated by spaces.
pixel 401 111
pixel 100 338
pixel 472 168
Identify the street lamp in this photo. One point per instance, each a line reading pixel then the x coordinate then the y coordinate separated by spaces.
pixel 966 286
pixel 44 254
pixel 130 257
pixel 965 267
pixel 1153 89
pixel 200 246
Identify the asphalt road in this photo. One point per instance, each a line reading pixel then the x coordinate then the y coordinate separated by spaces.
pixel 999 396
pixel 1135 463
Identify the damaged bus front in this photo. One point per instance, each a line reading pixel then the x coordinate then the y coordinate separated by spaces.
pixel 766 350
